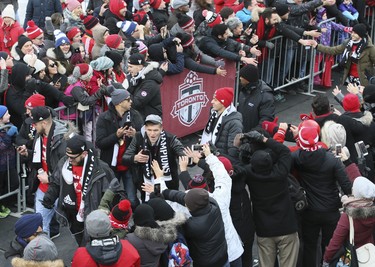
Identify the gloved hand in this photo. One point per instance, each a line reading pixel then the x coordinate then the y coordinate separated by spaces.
pixel 254 136
pixel 12 131
pixel 31 85
pixel 115 186
pixel 270 45
pixel 270 126
pixel 46 203
pixel 67 100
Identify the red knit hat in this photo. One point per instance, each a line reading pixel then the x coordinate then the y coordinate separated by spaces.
pixel 224 96
pixel 33 30
pixel 227 164
pixel 120 214
pixel 89 21
pixel 211 18
pixel 351 103
pixel 308 138
pixel 73 32
pixel 113 41
pixel 155 3
pixel 82 71
pixel 36 100
pixel 309 124
pixel 140 17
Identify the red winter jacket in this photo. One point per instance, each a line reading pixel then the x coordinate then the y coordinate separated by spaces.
pixel 129 257
pixel 10 34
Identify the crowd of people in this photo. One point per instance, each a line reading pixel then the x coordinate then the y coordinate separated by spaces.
pixel 81 106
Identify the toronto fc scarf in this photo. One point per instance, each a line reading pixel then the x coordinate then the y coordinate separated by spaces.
pixel 354 55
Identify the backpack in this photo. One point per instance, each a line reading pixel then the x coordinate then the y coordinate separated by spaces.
pixel 179 255
pixel 297 194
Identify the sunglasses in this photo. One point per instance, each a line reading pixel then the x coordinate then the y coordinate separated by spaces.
pixel 74 157
pixel 52 65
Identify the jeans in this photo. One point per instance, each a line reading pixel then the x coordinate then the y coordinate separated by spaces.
pixel 47 214
pixel 129 186
pixel 227 264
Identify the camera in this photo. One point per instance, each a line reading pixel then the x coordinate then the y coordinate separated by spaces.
pixel 197 147
pixel 361 149
pixel 338 150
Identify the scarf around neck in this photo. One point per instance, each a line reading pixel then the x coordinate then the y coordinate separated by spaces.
pixel 135 80
pixel 355 55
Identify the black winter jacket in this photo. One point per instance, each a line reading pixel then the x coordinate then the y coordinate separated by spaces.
pixel 175 149
pixel 256 105
pixel 318 172
pixel 204 232
pixel 106 127
pixel 215 47
pixel 146 94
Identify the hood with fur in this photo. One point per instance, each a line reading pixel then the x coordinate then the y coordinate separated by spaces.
pixel 178 219
pixel 366 119
pixel 19 262
pixel 361 212
pixel 151 72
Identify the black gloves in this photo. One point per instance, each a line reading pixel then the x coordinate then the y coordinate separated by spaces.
pixel 67 100
pixel 254 136
pixel 47 203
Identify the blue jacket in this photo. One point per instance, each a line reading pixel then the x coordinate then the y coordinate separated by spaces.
pixel 38 10
pixel 244 15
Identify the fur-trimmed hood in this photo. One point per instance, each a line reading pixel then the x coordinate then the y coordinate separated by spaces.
pixel 19 262
pixel 178 219
pixel 366 119
pixel 152 65
pixel 361 212
pixel 15 55
pixel 52 55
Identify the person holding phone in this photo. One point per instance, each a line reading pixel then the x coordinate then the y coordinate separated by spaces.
pixel 115 130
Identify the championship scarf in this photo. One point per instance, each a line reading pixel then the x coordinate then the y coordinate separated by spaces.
pixel 355 55
pixel 126 118
pixel 69 198
pixel 37 153
pixel 135 80
pixel 158 153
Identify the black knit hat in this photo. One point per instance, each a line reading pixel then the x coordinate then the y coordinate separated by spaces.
pixel 144 216
pixel 250 73
pixel 184 21
pixel 89 21
pixel 137 59
pixel 360 29
pixel 116 57
pixel 22 40
pixel 163 211
pixel 282 9
pixel 122 212
pixel 196 199
pixel 261 162
pixel 155 52
pixel 76 145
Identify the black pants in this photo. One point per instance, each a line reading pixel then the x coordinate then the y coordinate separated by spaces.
pixel 314 222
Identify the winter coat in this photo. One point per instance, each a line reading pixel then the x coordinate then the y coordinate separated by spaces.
pixel 256 105
pixel 63 65
pixel 146 93
pixel 364 226
pixel 244 15
pixel 7 151
pixel 38 10
pixel 222 194
pixel 366 118
pixel 9 35
pixel 127 257
pixel 175 149
pixel 19 262
pixel 273 210
pixel 318 172
pixel 74 21
pixel 4 75
pixel 94 4
pixel 106 127
pixel 365 64
pixel 152 242
pixel 204 232
pixel 159 18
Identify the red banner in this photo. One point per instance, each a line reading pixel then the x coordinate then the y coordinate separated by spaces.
pixel 186 98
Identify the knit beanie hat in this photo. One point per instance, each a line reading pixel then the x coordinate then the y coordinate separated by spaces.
pixel 250 73
pixel 22 40
pixel 128 27
pixel 115 57
pixel 141 17
pixel 155 52
pixel 360 29
pixel 113 41
pixel 73 32
pixel 224 96
pixel 227 164
pixel 120 214
pixel 82 71
pixel 33 30
pixel 211 18
pixel 89 21
pixel 155 3
pixel 98 224
pixel 8 12
pixel 308 138
pixel 162 210
pixel 261 162
pixel 115 6
pixel 198 181
pixel 119 95
pixel 196 199
pixel 60 38
pixel 3 110
pixel 101 63
pixel 179 3
pixel 38 66
pixel 142 48
pixel 76 145
pixel 351 103
pixel 184 21
pixel 28 224
pixel 186 39
pixel 72 4
pixel 363 188
pixel 136 59
pixel 144 216
pixel 36 100
pixel 41 248
pixel 281 9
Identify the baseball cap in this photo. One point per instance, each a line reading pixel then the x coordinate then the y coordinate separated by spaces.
pixel 154 119
pixel 38 114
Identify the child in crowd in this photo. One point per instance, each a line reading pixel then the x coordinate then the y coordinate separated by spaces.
pixel 348 10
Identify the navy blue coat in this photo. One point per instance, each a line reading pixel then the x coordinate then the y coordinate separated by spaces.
pixel 38 10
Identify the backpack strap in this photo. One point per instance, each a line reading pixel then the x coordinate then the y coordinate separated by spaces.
pixel 351 232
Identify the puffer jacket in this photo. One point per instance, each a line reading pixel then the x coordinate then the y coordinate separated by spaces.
pixel 365 64
pixel 204 232
pixel 319 171
pixel 146 93
pixel 364 226
pixel 38 10
pixel 9 35
pixel 256 105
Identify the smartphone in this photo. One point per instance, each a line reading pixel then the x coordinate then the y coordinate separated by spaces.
pixel 197 147
pixel 190 161
pixel 332 108
pixel 127 124
pixel 157 189
pixel 289 124
pixel 146 152
pixel 338 150
pixel 361 149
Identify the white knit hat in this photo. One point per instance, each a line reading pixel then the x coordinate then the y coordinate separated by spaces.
pixel 39 65
pixel 8 12
pixel 363 188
